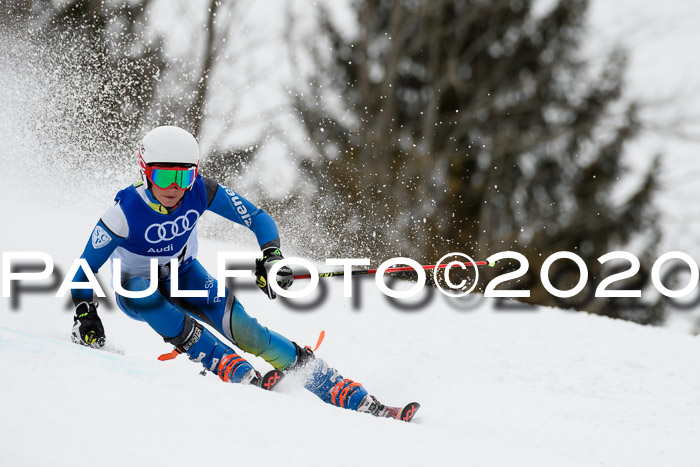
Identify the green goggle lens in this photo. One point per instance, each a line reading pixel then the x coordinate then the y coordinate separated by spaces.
pixel 165 178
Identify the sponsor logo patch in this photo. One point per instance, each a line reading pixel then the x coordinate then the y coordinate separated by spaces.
pixel 156 233
pixel 240 207
pixel 100 237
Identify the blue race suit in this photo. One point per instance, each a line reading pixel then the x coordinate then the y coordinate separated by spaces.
pixel 137 228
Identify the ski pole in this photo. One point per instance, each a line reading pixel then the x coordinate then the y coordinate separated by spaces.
pixel 360 272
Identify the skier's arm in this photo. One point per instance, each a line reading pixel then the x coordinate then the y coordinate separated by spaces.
pixel 108 234
pixel 227 203
pixel 111 230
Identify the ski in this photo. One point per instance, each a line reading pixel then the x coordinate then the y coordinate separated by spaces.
pixel 371 405
pixel 409 411
pixel 405 414
pixel 271 379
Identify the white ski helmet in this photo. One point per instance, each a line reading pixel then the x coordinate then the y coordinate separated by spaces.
pixel 174 148
pixel 168 145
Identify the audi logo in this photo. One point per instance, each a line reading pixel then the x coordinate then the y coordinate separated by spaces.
pixel 156 233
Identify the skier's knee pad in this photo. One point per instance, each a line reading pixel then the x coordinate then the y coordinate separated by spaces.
pixel 255 338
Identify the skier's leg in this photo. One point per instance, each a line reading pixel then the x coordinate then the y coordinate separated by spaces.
pixel 253 337
pixel 229 317
pixel 332 388
pixel 185 333
pixel 319 378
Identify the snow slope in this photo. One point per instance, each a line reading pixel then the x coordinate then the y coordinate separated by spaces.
pixel 538 387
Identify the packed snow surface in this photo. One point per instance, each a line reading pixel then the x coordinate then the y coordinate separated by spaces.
pixel 528 387
pixel 532 387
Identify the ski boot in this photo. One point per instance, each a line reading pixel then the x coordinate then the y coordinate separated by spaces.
pixel 233 363
pixel 332 388
pixel 202 346
pixel 326 382
pixel 235 369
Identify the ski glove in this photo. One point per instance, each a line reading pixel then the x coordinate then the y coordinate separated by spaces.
pixel 87 326
pixel 285 277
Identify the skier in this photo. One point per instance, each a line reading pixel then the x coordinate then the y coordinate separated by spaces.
pixel 157 218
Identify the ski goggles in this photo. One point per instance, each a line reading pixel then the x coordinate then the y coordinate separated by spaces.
pixel 166 177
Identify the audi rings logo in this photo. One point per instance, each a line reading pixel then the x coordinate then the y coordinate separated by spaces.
pixel 156 233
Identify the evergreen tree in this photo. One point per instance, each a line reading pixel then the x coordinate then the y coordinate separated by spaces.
pixel 464 125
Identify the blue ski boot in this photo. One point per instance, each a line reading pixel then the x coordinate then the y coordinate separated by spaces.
pixel 202 346
pixel 332 388
pixel 326 382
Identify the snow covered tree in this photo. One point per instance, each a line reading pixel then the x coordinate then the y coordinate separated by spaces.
pixel 476 126
pixel 112 49
pixel 108 40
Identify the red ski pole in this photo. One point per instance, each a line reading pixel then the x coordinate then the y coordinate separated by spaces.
pixel 360 272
